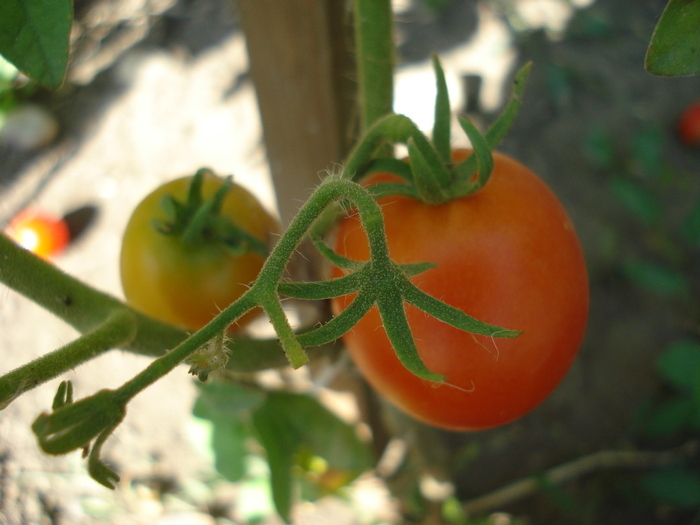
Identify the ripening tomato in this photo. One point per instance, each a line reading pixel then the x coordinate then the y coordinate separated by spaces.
pixel 187 286
pixel 689 125
pixel 506 255
pixel 39 232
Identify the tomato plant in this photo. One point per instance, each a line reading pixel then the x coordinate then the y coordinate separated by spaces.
pixel 689 125
pixel 182 269
pixel 508 255
pixel 39 232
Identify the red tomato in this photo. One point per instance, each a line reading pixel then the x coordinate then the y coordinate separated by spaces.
pixel 689 125
pixel 507 255
pixel 39 232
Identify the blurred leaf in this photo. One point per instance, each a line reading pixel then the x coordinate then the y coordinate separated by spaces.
pixel 281 443
pixel 599 147
pixel 225 405
pixel 292 427
pixel 559 86
pixel 647 149
pixel 229 446
pixel 327 435
pixel 453 512
pixel 677 486
pixel 34 37
pixel 636 199
pixel 675 45
pixel 691 226
pixel 655 277
pixel 680 365
pixel 224 398
pixel 670 417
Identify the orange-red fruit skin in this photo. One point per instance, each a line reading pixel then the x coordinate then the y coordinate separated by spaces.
pixel 507 255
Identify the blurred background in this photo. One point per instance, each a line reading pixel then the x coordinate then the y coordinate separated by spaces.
pixel 159 88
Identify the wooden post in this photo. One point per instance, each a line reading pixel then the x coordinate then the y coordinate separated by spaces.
pixel 301 64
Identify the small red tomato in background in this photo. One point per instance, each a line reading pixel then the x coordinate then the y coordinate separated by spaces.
pixel 39 232
pixel 507 255
pixel 689 125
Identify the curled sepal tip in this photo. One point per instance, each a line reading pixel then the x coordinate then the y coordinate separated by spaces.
pixel 72 426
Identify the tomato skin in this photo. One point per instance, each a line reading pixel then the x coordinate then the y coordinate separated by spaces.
pixel 507 255
pixel 689 125
pixel 187 286
pixel 39 232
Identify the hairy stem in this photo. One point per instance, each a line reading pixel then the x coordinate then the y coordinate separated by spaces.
pixel 375 59
pixel 117 330
pixel 264 291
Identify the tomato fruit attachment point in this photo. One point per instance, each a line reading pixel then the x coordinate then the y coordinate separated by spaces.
pixel 192 248
pixel 507 255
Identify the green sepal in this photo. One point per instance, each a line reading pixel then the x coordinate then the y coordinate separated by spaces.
pixel 429 189
pixel 505 120
pixel 481 155
pixel 199 222
pixel 334 257
pixel 441 125
pixel 64 395
pixel 393 314
pixel 74 425
pixel 320 290
pixel 389 165
pixel 98 469
pixel 387 189
pixel 454 316
pixel 337 326
pixel 495 133
pixel 392 129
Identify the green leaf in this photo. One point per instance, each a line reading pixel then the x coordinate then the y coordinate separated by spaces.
pixel 225 404
pixel 675 45
pixel 690 230
pixel 288 424
pixel 655 277
pixel 599 148
pixel 280 441
pixel 228 442
pixel 220 398
pixel 323 433
pixel 670 417
pixel 679 365
pixel 647 148
pixel 676 486
pixel 636 199
pixel 34 36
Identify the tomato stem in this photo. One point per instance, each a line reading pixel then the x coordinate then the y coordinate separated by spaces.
pixel 118 329
pixel 374 46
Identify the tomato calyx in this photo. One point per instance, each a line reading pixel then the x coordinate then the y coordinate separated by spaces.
pixel 198 221
pixel 431 175
pixel 387 285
